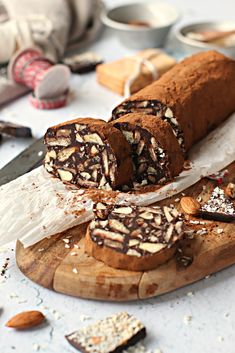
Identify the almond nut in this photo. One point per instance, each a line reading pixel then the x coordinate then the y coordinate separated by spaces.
pixel 230 190
pixel 190 205
pixel 65 175
pixel 26 319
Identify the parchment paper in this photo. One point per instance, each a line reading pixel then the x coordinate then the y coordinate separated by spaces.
pixel 37 205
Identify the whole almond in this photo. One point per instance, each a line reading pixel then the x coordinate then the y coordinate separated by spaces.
pixel 190 205
pixel 230 190
pixel 26 319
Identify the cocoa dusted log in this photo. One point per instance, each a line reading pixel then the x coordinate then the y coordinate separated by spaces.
pixel 194 97
pixel 132 237
pixel 156 154
pixel 88 152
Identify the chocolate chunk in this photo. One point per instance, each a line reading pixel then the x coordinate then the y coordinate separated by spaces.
pixel 83 63
pixel 111 335
pixel 88 152
pixel 133 237
pixel 218 207
pixel 15 130
pixel 156 154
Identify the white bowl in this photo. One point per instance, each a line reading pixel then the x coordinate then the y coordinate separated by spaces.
pixel 160 17
pixel 190 46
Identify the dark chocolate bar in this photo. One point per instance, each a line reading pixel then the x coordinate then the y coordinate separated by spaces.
pixel 111 335
pixel 218 207
pixel 83 63
pixel 14 130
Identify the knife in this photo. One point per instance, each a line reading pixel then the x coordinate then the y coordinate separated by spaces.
pixel 26 161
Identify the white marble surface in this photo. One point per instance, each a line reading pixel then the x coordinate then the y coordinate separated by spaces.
pixel 209 303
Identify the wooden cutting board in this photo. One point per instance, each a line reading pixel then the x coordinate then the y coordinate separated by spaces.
pixel 70 271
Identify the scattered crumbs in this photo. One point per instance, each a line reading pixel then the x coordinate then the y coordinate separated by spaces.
pixel 4 267
pixel 40 153
pixel 41 249
pixel 220 338
pixel 75 270
pixel 36 347
pixel 67 246
pixel 190 294
pixel 220 230
pixel 56 314
pixel 187 319
pixel 226 315
pixel 66 240
pixel 73 253
pixel 84 317
pixel 177 200
pixel 13 295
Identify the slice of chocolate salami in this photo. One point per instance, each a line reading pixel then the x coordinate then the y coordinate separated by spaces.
pixel 111 335
pixel 156 154
pixel 133 237
pixel 218 207
pixel 88 152
pixel 194 97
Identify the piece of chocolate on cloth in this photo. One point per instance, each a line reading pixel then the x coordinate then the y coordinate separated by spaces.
pixel 83 63
pixel 219 207
pixel 14 130
pixel 110 335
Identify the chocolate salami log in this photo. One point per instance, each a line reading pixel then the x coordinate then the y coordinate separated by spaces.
pixel 134 238
pixel 156 154
pixel 194 97
pixel 88 152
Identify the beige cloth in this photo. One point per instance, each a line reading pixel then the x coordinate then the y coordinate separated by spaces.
pixel 56 26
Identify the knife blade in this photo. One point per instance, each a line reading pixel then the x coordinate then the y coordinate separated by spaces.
pixel 26 161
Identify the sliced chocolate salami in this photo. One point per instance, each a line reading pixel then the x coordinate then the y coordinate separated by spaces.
pixel 111 335
pixel 194 97
pixel 218 207
pixel 133 237
pixel 156 154
pixel 89 153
